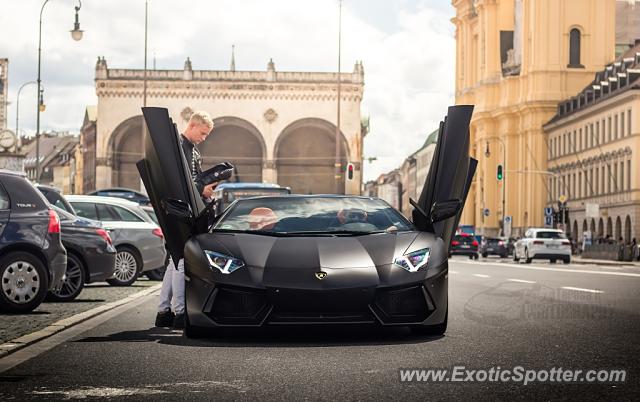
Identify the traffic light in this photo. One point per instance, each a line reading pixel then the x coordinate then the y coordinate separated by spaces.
pixel 499 175
pixel 350 171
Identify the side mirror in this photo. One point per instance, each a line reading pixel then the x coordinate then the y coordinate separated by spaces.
pixel 445 210
pixel 177 209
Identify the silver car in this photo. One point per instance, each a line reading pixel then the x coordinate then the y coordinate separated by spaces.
pixel 137 238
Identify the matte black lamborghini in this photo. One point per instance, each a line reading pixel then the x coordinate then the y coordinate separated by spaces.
pixel 317 259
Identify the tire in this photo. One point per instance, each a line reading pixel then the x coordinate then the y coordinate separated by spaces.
pixel 156 274
pixel 527 259
pixel 74 280
pixel 484 255
pixel 24 282
pixel 553 261
pixel 567 260
pixel 128 267
pixel 515 256
pixel 476 256
pixel 470 257
pixel 433 330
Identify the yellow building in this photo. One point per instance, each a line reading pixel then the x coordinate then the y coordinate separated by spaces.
pixel 515 60
pixel 594 140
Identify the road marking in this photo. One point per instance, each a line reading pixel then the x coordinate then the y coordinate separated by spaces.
pixel 520 281
pixel 582 289
pixel 453 272
pixel 481 276
pixel 575 271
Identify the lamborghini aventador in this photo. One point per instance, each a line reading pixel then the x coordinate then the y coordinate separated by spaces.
pixel 311 259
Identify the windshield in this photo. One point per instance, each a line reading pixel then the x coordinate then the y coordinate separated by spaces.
pixel 312 215
pixel 231 195
pixel 550 235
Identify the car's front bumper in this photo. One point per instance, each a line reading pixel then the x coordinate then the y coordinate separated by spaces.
pixel 219 305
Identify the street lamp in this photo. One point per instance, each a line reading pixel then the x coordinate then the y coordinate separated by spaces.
pixel 18 105
pixel 337 162
pixel 76 34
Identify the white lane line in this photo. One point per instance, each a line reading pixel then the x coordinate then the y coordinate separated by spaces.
pixel 520 281
pixel 453 272
pixel 582 289
pixel 575 271
pixel 481 276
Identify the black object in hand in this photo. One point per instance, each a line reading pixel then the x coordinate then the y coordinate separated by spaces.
pixel 221 171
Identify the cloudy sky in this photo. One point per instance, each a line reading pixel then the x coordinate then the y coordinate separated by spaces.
pixel 407 47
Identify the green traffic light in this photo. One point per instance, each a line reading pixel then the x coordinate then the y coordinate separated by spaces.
pixel 499 175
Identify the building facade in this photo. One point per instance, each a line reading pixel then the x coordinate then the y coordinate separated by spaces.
pixel 277 127
pixel 515 60
pixel 594 141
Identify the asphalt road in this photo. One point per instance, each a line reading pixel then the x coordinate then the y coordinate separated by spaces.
pixel 537 316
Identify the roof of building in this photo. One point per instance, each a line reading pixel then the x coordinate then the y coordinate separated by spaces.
pixel 50 148
pixel 617 77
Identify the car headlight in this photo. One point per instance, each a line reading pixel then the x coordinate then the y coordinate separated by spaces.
pixel 224 263
pixel 412 262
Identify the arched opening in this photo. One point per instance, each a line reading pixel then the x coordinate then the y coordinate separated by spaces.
pixel 584 226
pixel 574 48
pixel 237 141
pixel 618 230
pixel 609 227
pixel 592 227
pixel 574 231
pixel 124 150
pixel 600 229
pixel 627 229
pixel 305 156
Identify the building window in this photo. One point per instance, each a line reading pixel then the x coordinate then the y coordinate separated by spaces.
pixel 609 131
pixel 629 174
pixel 579 185
pixel 629 122
pixel 621 176
pixel 574 49
pixel 615 127
pixel 622 133
pixel 615 188
pixel 602 137
pixel 597 134
pixel 580 139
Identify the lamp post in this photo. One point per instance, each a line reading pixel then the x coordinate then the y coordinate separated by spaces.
pixel 487 153
pixel 337 163
pixel 76 34
pixel 18 106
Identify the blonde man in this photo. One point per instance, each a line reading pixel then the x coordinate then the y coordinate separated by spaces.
pixel 199 127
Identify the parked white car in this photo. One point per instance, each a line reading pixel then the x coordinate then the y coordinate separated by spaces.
pixel 543 244
pixel 137 238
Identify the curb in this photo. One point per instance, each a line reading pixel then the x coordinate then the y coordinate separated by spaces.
pixel 607 263
pixel 25 340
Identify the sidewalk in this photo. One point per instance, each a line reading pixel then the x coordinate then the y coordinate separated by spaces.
pixel 580 260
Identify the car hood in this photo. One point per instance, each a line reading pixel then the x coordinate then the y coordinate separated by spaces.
pixel 316 252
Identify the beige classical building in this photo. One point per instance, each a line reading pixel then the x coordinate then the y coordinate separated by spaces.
pixel 594 143
pixel 515 60
pixel 274 126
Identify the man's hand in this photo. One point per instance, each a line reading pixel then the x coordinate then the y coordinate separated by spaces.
pixel 207 192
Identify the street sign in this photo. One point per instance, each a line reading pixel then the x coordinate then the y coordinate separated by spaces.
pixel 562 198
pixel 548 211
pixel 485 212
pixel 506 226
pixel 548 221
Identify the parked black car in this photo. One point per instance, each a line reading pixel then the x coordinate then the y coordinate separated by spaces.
pixel 121 192
pixel 55 198
pixel 32 258
pixel 494 246
pixel 464 244
pixel 91 256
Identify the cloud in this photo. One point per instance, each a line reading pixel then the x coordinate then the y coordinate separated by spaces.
pixel 407 48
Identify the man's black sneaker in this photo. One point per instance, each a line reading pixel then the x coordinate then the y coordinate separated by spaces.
pixel 164 319
pixel 178 321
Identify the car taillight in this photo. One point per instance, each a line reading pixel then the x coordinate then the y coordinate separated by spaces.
pixel 455 243
pixel 158 232
pixel 105 235
pixel 539 242
pixel 54 222
pixel 566 243
pixel 474 243
pixel 500 243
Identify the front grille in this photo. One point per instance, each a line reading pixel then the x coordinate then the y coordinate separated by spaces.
pixel 238 307
pixel 404 305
